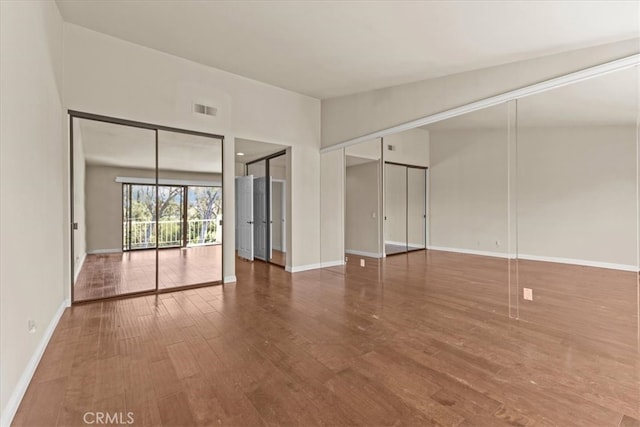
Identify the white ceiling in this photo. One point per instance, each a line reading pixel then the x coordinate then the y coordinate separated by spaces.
pixel 356 161
pixel 254 150
pixel 109 144
pixel 326 49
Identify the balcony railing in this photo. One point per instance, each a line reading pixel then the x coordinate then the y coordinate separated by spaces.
pixel 141 234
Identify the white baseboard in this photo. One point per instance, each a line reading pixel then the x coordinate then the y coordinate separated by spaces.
pixel 79 267
pixel 229 279
pixel 363 253
pixel 585 263
pixel 21 387
pixel 327 264
pixel 471 252
pixel 299 268
pixel 557 260
pixel 104 251
pixel 388 242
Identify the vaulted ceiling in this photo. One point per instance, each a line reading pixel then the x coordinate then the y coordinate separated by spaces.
pixel 328 48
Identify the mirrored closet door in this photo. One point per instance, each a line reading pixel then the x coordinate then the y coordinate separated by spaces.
pixel 146 208
pixel 405 221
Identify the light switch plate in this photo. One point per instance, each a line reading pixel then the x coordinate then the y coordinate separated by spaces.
pixel 528 294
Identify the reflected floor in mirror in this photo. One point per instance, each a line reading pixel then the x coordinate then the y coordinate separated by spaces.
pixel 279 258
pixel 108 275
pixel 390 249
pixel 418 339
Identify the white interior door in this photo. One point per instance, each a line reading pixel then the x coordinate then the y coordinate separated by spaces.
pixel 260 217
pixel 244 212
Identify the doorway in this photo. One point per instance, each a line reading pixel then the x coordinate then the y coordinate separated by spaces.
pixel 146 208
pixel 261 208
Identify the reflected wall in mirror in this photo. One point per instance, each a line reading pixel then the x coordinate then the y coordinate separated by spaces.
pixel 469 204
pixel 395 209
pixel 278 172
pixel 363 199
pixel 416 208
pixel 258 172
pixel 577 209
pixel 189 210
pixel 115 235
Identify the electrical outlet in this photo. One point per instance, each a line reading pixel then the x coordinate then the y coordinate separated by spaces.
pixel 361 263
pixel 346 259
pixel 528 294
pixel 31 326
pixel 497 243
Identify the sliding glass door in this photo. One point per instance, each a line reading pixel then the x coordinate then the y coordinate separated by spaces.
pixel 187 216
pixel 203 207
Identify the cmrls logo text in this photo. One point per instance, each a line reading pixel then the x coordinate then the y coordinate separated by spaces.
pixel 118 418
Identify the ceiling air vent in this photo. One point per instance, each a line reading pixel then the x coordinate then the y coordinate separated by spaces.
pixel 205 109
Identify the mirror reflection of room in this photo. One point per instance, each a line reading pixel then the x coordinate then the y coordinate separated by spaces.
pixel 114 236
pixel 124 213
pixel 406 161
pixel 469 203
pixel 189 210
pixel 363 199
pixel 262 204
pixel 577 179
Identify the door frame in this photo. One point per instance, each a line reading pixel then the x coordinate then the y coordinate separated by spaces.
pixel 239 223
pixel 74 114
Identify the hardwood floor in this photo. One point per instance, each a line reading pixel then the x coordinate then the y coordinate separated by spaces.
pixel 107 275
pixel 279 258
pixel 416 339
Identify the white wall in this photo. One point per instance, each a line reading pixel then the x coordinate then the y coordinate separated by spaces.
pixel 362 203
pixel 332 226
pixel 351 116
pixel 32 181
pixel 395 204
pixel 367 150
pixel 108 76
pixel 576 193
pixel 468 192
pixel 410 147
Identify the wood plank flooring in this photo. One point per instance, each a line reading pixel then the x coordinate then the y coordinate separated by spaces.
pixel 416 339
pixel 108 275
